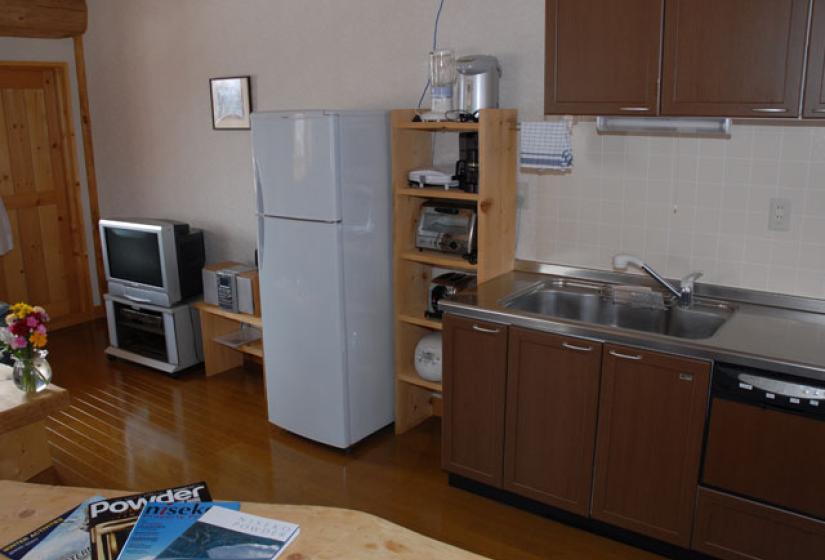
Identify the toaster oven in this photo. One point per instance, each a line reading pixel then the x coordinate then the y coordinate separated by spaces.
pixel 449 227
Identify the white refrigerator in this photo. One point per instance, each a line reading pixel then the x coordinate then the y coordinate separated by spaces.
pixel 323 189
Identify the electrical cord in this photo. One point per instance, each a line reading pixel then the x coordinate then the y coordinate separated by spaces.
pixel 435 45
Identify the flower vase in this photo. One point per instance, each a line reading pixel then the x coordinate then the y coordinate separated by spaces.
pixel 32 374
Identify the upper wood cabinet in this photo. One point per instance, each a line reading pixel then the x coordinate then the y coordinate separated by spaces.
pixel 649 442
pixel 552 402
pixel 475 372
pixel 602 56
pixel 737 58
pixel 814 105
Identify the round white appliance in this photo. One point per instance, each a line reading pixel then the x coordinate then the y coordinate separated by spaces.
pixel 428 357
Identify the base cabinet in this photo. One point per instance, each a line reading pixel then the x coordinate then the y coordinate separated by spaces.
pixel 648 448
pixel 550 430
pixel 731 528
pixel 475 372
pixel 595 429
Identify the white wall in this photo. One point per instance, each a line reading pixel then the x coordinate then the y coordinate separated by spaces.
pixel 690 204
pixel 61 50
pixel 149 63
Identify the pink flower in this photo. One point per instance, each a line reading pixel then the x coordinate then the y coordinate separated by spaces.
pixel 32 322
pixel 41 328
pixel 18 342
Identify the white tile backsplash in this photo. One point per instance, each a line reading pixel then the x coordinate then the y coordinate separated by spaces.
pixel 686 204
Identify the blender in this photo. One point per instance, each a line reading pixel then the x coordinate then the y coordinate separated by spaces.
pixel 442 76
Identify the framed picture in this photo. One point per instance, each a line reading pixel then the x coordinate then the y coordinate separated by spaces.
pixel 231 103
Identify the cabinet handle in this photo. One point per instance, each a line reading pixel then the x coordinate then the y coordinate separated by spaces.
pixel 488 331
pixel 769 110
pixel 577 348
pixel 624 356
pixel 635 109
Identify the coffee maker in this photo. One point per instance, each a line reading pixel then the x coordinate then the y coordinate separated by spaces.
pixel 466 168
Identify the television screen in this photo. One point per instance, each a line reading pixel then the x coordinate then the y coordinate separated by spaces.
pixel 134 256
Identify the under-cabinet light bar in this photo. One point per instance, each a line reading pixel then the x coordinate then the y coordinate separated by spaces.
pixel 665 125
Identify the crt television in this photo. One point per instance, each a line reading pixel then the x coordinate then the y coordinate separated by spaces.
pixel 154 262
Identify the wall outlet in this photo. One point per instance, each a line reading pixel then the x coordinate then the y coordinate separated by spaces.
pixel 780 214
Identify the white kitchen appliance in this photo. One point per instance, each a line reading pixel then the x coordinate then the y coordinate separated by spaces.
pixel 442 77
pixel 324 244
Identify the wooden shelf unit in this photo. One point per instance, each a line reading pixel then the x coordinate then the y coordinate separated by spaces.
pixel 215 322
pixel 416 398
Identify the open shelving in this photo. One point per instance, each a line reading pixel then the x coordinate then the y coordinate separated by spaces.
pixel 437 193
pixel 412 142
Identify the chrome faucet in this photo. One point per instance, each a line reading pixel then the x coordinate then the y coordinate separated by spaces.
pixel 684 294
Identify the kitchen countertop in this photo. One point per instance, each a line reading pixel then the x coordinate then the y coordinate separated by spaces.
pixel 778 339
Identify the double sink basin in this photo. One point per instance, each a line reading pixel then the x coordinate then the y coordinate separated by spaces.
pixel 594 303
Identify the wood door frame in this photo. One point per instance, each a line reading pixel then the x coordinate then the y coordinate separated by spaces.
pixel 77 224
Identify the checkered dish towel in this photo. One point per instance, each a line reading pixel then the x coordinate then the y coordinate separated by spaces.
pixel 546 145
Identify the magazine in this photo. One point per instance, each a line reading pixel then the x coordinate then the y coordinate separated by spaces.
pixel 63 538
pixel 205 531
pixel 111 521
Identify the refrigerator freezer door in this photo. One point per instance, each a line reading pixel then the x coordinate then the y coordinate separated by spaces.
pixel 304 333
pixel 296 165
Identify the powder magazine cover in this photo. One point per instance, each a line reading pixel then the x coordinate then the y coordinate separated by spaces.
pixel 111 520
pixel 97 528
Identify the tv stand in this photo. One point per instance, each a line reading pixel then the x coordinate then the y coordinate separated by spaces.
pixel 164 338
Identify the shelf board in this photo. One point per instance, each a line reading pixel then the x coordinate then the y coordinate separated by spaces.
pixel 254 348
pixel 438 259
pixel 414 379
pixel 440 126
pixel 204 307
pixel 420 321
pixel 437 193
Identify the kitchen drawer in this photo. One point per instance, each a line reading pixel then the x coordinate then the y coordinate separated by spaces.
pixel 776 460
pixel 735 529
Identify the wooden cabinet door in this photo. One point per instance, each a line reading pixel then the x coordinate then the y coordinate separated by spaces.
pixel 814 104
pixel 475 371
pixel 550 432
pixel 738 58
pixel 602 56
pixel 652 411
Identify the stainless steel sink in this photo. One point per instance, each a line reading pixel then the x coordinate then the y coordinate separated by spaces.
pixel 590 303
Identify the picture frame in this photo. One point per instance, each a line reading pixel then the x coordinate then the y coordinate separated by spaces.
pixel 231 102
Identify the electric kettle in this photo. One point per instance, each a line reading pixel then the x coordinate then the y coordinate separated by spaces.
pixel 477 84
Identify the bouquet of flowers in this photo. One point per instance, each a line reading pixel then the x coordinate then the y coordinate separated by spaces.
pixel 24 337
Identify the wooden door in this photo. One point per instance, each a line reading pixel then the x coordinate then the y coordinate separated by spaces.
pixel 475 371
pixel 602 57
pixel 814 104
pixel 738 58
pixel 48 265
pixel 552 403
pixel 651 418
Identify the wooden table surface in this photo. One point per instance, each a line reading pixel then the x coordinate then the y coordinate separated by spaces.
pixel 326 532
pixel 17 409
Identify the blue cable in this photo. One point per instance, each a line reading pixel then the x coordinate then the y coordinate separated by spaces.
pixel 435 44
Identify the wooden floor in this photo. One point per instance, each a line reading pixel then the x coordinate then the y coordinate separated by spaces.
pixel 133 428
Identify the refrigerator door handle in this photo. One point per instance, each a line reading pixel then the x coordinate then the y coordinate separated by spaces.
pixel 260 202
pixel 260 242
